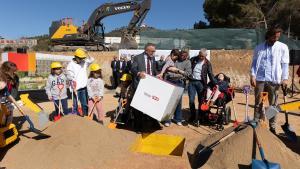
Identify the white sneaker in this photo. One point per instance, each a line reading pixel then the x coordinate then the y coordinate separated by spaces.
pixel 167 124
pixel 179 123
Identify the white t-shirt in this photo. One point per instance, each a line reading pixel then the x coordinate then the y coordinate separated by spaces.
pixel 78 72
pixel 197 70
pixel 95 87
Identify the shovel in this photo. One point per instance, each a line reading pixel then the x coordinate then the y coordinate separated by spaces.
pixel 264 99
pixel 57 117
pixel 60 87
pixel 90 115
pixel 72 92
pixel 273 110
pixel 235 123
pixel 43 117
pixel 119 110
pixel 227 135
pixel 31 125
pixel 246 91
pixel 205 106
pixel 263 163
pixel 78 106
pixel 288 130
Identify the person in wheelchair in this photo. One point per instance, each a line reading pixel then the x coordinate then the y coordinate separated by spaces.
pixel 213 92
pixel 217 97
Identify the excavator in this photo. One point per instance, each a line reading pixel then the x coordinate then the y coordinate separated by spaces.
pixel 64 35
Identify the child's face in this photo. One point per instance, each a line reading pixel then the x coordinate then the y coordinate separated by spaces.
pixel 2 85
pixel 221 77
pixel 57 71
pixel 125 83
pixel 97 74
pixel 174 58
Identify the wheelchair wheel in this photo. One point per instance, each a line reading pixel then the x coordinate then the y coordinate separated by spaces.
pixel 227 115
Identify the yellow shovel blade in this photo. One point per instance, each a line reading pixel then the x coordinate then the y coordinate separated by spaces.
pixel 112 125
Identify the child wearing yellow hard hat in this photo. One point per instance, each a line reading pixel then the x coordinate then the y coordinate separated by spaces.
pixel 77 73
pixel 126 80
pixel 95 87
pixel 56 87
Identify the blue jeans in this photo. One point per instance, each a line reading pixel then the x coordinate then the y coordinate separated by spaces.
pixel 195 87
pixel 178 113
pixel 83 98
pixel 64 103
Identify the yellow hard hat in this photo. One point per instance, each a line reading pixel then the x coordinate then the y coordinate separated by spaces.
pixel 81 53
pixel 95 67
pixel 126 77
pixel 55 65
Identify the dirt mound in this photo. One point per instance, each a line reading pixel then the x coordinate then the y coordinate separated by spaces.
pixel 236 151
pixel 75 143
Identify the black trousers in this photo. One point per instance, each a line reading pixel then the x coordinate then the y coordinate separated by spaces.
pixel 115 77
pixel 138 120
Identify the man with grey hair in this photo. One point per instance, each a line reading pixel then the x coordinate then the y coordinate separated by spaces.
pixel 201 68
pixel 143 64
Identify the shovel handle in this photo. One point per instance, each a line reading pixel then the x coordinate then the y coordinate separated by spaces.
pixel 264 97
pixel 94 105
pixel 31 126
pixel 284 89
pixel 261 151
pixel 16 104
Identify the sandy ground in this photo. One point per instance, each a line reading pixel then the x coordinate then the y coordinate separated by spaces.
pixel 23 154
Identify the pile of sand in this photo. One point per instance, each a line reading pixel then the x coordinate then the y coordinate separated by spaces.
pixel 75 143
pixel 236 151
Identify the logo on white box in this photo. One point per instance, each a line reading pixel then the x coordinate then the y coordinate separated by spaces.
pixel 152 97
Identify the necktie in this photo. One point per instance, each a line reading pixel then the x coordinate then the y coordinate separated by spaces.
pixel 148 66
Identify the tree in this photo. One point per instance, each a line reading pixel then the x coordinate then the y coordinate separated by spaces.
pixel 253 14
pixel 224 13
pixel 200 25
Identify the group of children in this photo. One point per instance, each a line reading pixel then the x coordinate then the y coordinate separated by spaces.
pixel 88 89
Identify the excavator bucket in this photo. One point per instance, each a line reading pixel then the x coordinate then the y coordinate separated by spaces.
pixel 128 42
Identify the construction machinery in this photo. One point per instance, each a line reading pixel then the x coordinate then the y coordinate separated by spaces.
pixel 64 35
pixel 8 131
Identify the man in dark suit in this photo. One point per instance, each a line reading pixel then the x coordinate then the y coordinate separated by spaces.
pixel 114 68
pixel 142 64
pixel 160 63
pixel 129 63
pixel 121 66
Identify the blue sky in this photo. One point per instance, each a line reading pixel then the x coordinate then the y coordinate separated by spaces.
pixel 33 17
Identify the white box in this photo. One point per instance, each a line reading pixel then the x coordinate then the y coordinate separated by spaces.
pixel 156 98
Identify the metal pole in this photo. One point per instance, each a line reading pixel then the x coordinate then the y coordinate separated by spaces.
pixel 293 77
